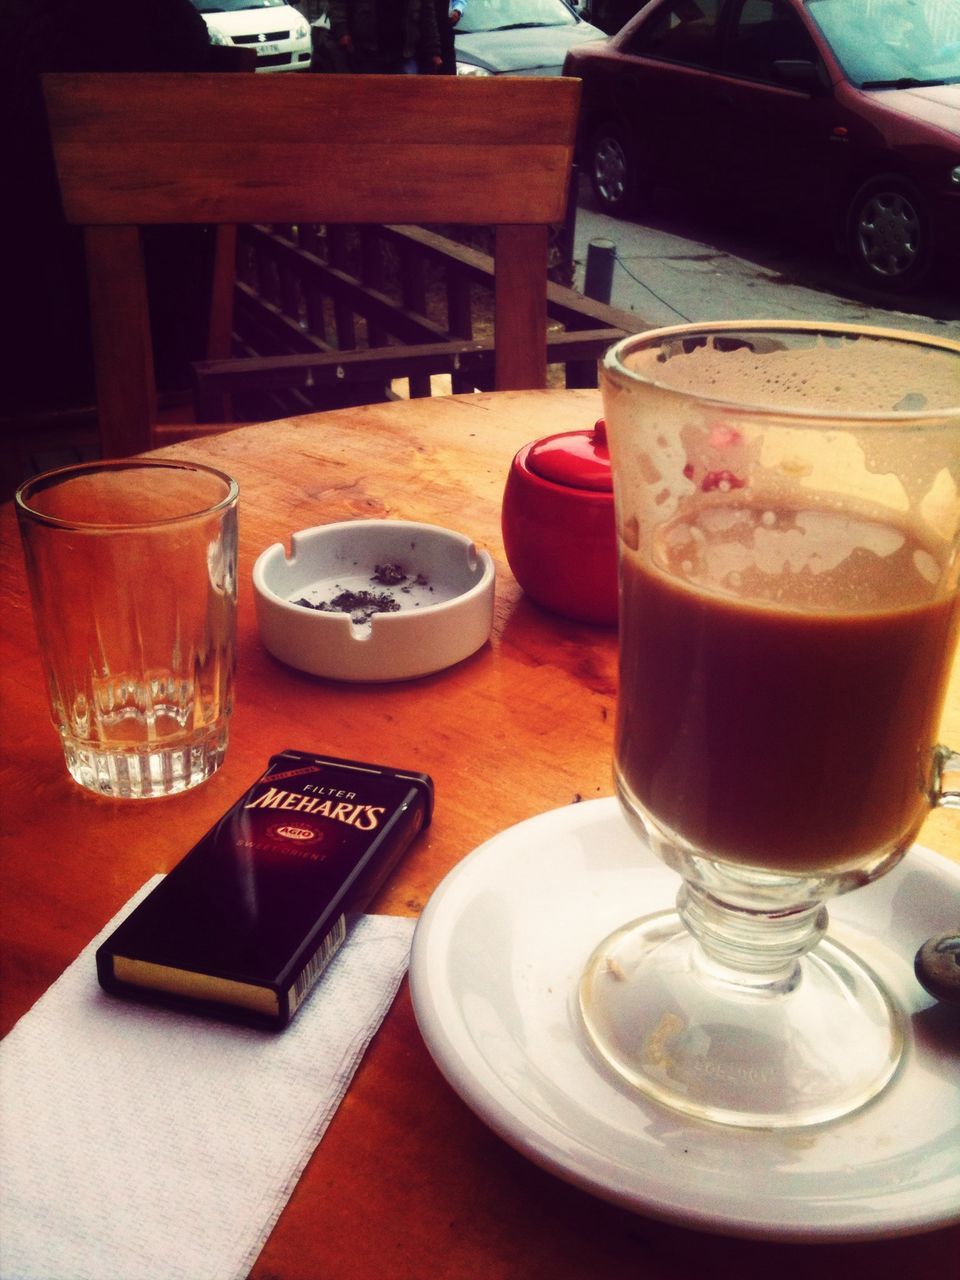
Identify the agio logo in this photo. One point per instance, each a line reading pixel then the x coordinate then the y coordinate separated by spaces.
pixel 297 832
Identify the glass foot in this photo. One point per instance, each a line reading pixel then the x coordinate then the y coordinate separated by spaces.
pixel 782 1052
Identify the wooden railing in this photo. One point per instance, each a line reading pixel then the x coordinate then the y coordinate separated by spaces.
pixel 331 316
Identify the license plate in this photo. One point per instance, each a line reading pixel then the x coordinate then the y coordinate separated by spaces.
pixel 264 50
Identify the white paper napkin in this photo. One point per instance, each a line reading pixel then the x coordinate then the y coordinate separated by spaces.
pixel 142 1144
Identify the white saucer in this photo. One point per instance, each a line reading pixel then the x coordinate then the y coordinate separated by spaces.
pixel 496 959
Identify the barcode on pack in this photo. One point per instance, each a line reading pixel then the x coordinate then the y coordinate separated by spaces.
pixel 312 970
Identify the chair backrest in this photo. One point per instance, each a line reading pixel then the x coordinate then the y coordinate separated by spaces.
pixel 222 149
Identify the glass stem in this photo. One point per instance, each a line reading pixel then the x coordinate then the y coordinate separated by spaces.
pixel 755 952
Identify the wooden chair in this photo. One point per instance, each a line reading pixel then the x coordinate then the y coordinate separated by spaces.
pixel 207 148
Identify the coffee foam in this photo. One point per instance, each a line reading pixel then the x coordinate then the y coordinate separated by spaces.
pixel 800 560
pixel 851 375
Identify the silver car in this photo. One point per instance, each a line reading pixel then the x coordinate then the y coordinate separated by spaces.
pixel 518 37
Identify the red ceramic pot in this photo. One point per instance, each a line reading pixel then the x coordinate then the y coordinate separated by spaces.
pixel 558 525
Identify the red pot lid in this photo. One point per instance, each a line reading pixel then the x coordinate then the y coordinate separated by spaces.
pixel 576 459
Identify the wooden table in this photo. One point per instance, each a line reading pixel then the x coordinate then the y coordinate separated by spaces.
pixel 407 1182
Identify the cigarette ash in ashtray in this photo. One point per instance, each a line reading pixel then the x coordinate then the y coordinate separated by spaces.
pixel 394 587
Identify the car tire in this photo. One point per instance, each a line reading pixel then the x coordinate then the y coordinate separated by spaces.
pixel 889 235
pixel 614 170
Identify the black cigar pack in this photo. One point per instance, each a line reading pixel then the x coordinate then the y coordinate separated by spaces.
pixel 247 922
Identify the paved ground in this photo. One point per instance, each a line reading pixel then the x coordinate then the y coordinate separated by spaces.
pixel 677 265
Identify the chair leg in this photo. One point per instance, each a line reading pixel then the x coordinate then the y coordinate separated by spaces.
pixel 520 307
pixel 122 347
pixel 218 407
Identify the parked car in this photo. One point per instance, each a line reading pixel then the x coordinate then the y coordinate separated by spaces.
pixel 847 111
pixel 280 35
pixel 518 37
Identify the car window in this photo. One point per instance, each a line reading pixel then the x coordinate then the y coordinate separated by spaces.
pixel 684 31
pixel 231 6
pixel 764 32
pixel 910 41
pixel 505 15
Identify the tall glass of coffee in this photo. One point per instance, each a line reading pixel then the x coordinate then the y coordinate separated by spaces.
pixel 788 516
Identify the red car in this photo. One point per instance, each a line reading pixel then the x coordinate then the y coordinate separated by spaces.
pixel 844 110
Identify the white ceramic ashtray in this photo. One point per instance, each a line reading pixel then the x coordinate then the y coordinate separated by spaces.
pixel 374 599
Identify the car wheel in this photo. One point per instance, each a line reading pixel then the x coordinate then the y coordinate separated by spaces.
pixel 889 238
pixel 614 171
